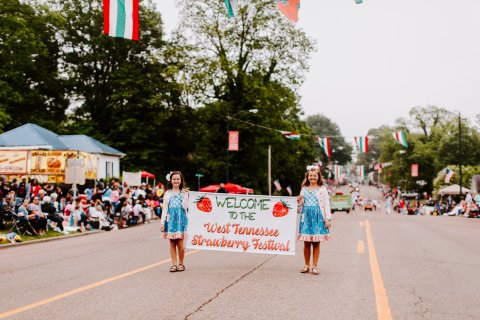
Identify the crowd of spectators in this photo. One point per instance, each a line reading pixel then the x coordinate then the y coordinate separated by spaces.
pixel 466 205
pixel 98 206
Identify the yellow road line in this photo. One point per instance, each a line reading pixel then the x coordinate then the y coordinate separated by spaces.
pixel 383 308
pixel 361 247
pixel 85 288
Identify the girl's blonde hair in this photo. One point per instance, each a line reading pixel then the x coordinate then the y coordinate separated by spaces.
pixel 306 183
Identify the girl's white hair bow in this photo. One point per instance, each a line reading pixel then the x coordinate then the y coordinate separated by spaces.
pixel 169 175
pixel 315 167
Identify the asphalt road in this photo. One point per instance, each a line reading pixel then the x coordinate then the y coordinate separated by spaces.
pixel 377 266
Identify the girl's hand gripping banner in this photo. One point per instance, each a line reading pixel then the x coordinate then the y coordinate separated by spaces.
pixel 242 223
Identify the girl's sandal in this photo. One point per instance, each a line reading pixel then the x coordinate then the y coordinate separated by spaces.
pixel 305 269
pixel 315 271
pixel 180 267
pixel 174 268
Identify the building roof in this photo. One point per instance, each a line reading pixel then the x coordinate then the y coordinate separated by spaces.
pixel 87 144
pixel 31 135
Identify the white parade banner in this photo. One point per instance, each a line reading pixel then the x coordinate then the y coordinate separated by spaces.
pixel 242 223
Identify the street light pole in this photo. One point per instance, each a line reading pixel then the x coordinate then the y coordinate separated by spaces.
pixel 460 150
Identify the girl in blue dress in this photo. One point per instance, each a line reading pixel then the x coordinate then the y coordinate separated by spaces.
pixel 174 220
pixel 315 217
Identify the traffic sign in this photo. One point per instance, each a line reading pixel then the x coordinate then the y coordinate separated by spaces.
pixel 198 175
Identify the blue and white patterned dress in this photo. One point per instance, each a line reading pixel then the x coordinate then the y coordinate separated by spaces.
pixel 176 221
pixel 312 224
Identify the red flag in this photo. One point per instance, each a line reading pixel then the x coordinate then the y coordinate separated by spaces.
pixel 233 140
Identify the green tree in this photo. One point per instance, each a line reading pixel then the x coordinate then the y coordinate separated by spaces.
pixel 31 87
pixel 125 92
pixel 255 61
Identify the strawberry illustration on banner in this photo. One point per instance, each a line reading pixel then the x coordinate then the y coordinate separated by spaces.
pixel 362 144
pixel 289 8
pixel 120 18
pixel 325 145
pixel 401 138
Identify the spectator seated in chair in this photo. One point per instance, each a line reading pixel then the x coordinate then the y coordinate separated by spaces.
pixel 7 210
pixel 49 209
pixel 39 223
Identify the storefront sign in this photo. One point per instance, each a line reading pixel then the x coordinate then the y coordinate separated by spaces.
pixel 13 162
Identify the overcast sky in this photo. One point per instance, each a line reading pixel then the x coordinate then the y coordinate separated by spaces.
pixel 377 60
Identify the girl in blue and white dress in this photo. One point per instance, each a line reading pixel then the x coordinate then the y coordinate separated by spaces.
pixel 174 220
pixel 315 217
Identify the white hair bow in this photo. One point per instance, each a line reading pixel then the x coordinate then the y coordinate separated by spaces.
pixel 313 167
pixel 169 175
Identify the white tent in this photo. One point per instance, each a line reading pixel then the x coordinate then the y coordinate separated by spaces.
pixel 453 189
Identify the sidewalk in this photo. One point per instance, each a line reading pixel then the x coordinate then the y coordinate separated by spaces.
pixel 10 245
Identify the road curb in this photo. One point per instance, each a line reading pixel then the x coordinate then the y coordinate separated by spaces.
pixel 5 246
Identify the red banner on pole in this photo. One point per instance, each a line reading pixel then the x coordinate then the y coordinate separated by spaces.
pixel 414 170
pixel 232 140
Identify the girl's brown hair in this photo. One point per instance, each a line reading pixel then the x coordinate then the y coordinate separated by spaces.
pixel 306 183
pixel 182 183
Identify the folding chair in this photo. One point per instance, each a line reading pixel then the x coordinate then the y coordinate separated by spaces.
pixel 23 226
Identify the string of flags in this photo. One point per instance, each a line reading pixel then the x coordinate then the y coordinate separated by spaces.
pixel 325 145
pixel 120 17
pixel 401 138
pixel 362 144
pixel 289 8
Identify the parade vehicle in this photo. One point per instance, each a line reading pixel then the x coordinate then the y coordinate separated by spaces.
pixel 340 202
pixel 369 205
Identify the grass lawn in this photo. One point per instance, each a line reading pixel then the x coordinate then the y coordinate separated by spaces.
pixel 50 234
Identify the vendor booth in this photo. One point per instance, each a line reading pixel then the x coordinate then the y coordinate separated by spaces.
pixel 31 150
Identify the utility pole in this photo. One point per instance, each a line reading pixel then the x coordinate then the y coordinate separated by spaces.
pixel 460 149
pixel 269 170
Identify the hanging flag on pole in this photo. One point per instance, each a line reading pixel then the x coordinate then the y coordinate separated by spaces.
pixel 338 172
pixel 289 8
pixel 232 7
pixel 120 18
pixel 325 145
pixel 415 170
pixel 401 138
pixel 362 144
pixel 233 137
pixel 277 185
pixel 448 175
pixel 290 135
pixel 361 172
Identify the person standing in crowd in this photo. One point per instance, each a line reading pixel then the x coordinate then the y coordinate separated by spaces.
pixel 222 189
pixel 174 220
pixel 22 192
pixel 315 217
pixel 34 188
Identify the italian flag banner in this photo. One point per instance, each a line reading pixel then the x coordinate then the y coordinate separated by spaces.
pixel 361 172
pixel 290 135
pixel 232 7
pixel 120 18
pixel 325 145
pixel 362 144
pixel 401 138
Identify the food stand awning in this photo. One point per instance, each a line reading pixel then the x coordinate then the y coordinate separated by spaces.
pixel 453 189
